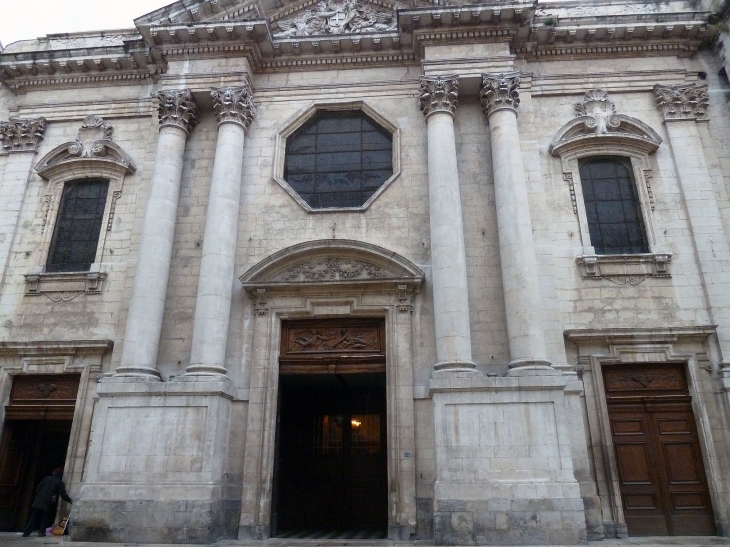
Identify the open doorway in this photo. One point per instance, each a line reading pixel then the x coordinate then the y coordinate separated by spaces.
pixel 331 474
pixel 34 441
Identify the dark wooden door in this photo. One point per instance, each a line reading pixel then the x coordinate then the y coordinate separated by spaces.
pixel 662 478
pixel 332 463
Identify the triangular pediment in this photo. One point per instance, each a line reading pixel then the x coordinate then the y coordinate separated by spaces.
pixel 207 11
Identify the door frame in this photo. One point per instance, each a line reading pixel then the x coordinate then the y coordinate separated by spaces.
pixel 687 346
pixel 385 288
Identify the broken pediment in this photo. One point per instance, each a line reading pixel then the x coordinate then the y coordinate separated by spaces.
pixel 596 120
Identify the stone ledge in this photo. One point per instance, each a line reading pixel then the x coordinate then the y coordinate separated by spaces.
pixel 624 269
pixel 442 382
pixel 115 386
pixel 64 286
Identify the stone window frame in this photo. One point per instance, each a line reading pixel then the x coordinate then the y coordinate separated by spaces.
pixel 598 348
pixel 302 117
pixel 73 162
pixel 631 267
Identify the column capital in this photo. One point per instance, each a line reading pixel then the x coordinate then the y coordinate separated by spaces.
pixel 500 91
pixel 682 101
pixel 177 108
pixel 233 105
pixel 438 94
pixel 22 135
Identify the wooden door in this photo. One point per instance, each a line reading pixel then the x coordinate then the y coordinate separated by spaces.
pixel 662 478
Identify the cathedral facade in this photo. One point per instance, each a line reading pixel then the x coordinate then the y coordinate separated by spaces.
pixel 450 271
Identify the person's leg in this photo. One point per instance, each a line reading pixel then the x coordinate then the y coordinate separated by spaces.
pixel 34 520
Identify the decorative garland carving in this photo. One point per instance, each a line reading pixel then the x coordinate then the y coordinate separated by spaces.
pixel 332 269
pixel 500 91
pixel 682 101
pixel 112 209
pixel 568 177
pixel 337 17
pixel 48 199
pixel 176 107
pixel 22 135
pixel 438 94
pixel 647 176
pixel 234 104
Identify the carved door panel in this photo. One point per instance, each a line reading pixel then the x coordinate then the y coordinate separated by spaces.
pixel 662 478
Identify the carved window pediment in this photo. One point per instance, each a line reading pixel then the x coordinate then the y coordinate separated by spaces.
pixel 597 124
pixel 92 149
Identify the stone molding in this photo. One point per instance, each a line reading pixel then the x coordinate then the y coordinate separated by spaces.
pixel 176 108
pixel 54 356
pixel 597 124
pixel 682 101
pixel 93 149
pixel 22 135
pixel 64 286
pixel 625 269
pixel 234 105
pixel 500 91
pixel 438 94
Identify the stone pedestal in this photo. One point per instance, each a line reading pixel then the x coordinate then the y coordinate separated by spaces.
pixel 158 465
pixel 504 473
pixel 176 112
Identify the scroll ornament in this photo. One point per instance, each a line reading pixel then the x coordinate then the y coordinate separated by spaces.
pixel 176 107
pixel 500 91
pixel 234 104
pixel 438 94
pixel 22 135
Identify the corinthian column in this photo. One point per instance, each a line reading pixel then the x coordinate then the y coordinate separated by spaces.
pixel 235 109
pixel 176 112
pixel 500 97
pixel 439 96
pixel 684 108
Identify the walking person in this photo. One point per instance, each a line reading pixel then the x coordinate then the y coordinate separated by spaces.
pixel 44 504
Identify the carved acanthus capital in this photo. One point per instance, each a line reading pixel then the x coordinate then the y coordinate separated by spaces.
pixel 22 135
pixel 176 107
pixel 500 91
pixel 234 105
pixel 439 94
pixel 682 101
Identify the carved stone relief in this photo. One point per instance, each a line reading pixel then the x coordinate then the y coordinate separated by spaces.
pixel 633 380
pixel 22 135
pixel 337 17
pixel 317 340
pixel 234 104
pixel 682 102
pixel 325 269
pixel 500 91
pixel 438 94
pixel 176 107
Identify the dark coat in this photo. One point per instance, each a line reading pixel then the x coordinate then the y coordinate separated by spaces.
pixel 47 493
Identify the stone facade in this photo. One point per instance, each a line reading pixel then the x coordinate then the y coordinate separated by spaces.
pixel 501 314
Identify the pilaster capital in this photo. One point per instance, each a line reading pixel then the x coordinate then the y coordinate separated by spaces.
pixel 499 91
pixel 438 94
pixel 233 105
pixel 176 107
pixel 22 135
pixel 682 101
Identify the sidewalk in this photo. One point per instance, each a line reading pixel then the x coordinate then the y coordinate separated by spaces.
pixel 15 540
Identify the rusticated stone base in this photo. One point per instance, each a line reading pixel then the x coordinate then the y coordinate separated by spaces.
pixel 510 522
pixel 150 521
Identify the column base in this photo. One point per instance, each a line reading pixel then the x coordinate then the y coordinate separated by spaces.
pixel 140 372
pixel 531 367
pixel 200 370
pixel 455 365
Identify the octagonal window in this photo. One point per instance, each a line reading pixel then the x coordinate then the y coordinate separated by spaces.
pixel 338 159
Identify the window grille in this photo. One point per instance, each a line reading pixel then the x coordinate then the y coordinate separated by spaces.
pixel 76 235
pixel 338 159
pixel 615 223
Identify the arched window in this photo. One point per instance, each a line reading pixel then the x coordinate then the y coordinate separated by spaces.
pixel 76 234
pixel 338 159
pixel 612 206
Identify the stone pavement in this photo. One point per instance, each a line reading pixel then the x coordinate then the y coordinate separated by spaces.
pixel 15 540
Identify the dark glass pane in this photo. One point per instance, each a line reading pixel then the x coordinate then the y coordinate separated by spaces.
pixel 338 159
pixel 76 235
pixel 615 224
